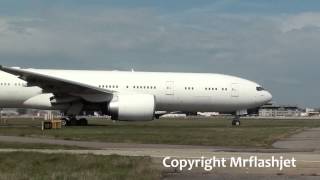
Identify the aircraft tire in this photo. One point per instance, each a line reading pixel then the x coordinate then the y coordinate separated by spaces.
pixel 236 123
pixel 65 122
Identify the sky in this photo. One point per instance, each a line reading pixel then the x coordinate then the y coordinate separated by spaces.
pixel 275 43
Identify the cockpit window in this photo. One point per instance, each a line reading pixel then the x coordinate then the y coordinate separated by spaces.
pixel 259 88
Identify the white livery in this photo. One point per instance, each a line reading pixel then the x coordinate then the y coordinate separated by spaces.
pixel 127 95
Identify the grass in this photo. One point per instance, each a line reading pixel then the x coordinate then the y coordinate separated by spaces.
pixel 34 166
pixel 193 131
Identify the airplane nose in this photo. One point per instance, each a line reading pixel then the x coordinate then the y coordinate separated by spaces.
pixel 268 96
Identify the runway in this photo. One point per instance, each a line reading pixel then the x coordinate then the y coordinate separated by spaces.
pixel 308 139
pixel 123 146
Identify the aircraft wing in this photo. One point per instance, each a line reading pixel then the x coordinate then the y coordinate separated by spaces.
pixel 56 85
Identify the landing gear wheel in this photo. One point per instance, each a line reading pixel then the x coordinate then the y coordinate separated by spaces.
pixel 72 121
pixel 65 121
pixel 236 121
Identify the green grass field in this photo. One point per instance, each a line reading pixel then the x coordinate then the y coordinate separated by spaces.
pixel 33 166
pixel 193 131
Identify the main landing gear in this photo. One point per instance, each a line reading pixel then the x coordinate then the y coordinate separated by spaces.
pixel 236 121
pixel 73 121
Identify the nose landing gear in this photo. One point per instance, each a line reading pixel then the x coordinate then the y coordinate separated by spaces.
pixel 236 121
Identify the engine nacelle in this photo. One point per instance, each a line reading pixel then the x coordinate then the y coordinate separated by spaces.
pixel 132 107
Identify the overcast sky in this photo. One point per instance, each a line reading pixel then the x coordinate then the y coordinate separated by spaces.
pixel 275 43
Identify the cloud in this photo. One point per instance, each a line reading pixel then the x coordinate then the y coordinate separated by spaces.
pixel 300 21
pixel 277 50
pixel 20 35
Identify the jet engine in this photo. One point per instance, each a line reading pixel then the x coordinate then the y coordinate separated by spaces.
pixel 132 107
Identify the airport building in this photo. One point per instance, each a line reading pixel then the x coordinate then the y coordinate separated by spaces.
pixel 310 112
pixel 279 111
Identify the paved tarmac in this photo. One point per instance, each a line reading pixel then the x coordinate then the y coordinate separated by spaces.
pixel 107 145
pixel 308 139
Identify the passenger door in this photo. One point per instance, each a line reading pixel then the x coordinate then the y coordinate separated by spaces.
pixel 235 90
pixel 169 88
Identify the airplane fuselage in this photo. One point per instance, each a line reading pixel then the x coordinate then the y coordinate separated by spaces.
pixel 188 92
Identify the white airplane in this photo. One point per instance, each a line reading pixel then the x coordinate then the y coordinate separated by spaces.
pixel 129 96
